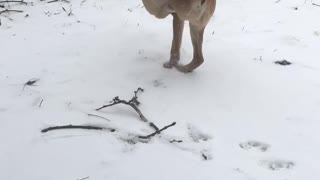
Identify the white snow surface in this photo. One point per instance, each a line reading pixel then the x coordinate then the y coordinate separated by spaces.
pixel 240 115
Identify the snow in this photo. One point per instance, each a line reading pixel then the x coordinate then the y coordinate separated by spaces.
pixel 251 118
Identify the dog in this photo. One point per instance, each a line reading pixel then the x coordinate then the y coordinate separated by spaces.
pixel 197 12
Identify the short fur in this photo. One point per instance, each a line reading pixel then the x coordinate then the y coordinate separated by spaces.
pixel 197 12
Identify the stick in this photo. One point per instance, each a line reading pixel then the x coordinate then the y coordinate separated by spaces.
pixel 157 132
pixel 316 4
pixel 116 101
pixel 75 127
pixel 177 141
pixel 84 178
pixel 40 103
pixel 98 116
pixel 31 82
pixel 14 2
pixel 134 103
pixel 205 157
pixel 53 1
pixel 10 10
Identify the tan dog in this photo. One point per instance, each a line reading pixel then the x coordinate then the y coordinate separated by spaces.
pixel 197 12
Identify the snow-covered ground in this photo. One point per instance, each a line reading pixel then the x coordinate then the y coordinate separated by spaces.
pixel 249 117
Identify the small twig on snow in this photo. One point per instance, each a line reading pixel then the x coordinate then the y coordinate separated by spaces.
pixel 9 1
pixel 94 115
pixel 134 103
pixel 76 127
pixel 82 2
pixel 157 132
pixel 177 141
pixel 70 11
pixel 84 178
pixel 283 62
pixel 316 4
pixel 52 1
pixel 31 82
pixel 40 103
pixel 10 10
pixel 205 157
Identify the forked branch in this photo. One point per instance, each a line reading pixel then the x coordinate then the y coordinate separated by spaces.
pixel 134 103
pixel 157 132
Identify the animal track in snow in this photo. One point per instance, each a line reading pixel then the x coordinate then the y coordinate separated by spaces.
pixel 277 164
pixel 197 143
pixel 158 83
pixel 196 135
pixel 263 147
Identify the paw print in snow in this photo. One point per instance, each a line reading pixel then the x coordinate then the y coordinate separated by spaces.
pixel 277 164
pixel 255 145
pixel 196 135
pixel 158 83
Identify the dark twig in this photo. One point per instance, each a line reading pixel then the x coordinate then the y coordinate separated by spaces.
pixel 134 103
pixel 10 10
pixel 9 1
pixel 75 127
pixel 157 132
pixel 52 1
pixel 283 62
pixel 205 157
pixel 316 4
pixel 94 115
pixel 82 2
pixel 84 178
pixel 177 141
pixel 40 103
pixel 31 82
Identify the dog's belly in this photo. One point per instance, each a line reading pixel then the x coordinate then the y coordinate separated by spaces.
pixel 158 8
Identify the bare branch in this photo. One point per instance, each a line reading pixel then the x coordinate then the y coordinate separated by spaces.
pixel 94 115
pixel 283 62
pixel 40 103
pixel 134 103
pixel 76 127
pixel 31 82
pixel 157 132
pixel 10 10
pixel 9 1
pixel 177 141
pixel 316 4
pixel 84 178
pixel 52 1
